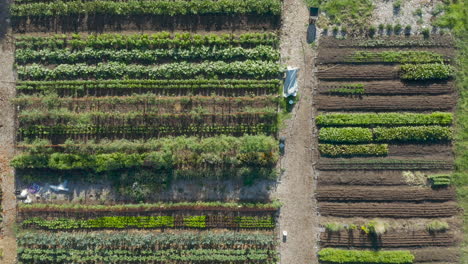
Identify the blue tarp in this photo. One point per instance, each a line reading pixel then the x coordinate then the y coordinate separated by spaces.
pixel 290 84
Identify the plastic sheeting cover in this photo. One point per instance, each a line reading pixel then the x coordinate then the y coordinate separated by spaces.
pixel 290 84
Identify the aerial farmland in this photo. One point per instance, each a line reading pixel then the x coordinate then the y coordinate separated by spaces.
pixel 233 131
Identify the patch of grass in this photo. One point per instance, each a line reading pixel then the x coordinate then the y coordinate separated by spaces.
pixel 354 14
pixel 437 226
pixel 455 17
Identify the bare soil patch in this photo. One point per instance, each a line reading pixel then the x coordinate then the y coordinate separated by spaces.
pixel 356 238
pixel 391 210
pixel 436 254
pixel 358 72
pixel 389 194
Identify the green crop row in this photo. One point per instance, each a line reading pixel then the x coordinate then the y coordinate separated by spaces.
pixel 331 255
pixel 347 91
pixel 144 207
pixel 258 256
pixel 144 241
pixel 438 180
pixel 432 71
pixel 93 56
pixel 145 7
pixel 160 40
pixel 385 119
pixel 385 134
pixel 115 70
pixel 129 87
pixel 157 160
pixel 149 130
pixel 216 145
pixel 396 57
pixel 146 222
pixel 330 150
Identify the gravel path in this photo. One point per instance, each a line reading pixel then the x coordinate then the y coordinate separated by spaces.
pixel 296 190
pixel 7 138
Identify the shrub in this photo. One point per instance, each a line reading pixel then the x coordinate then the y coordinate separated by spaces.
pixel 409 134
pixel 389 28
pixel 437 226
pixel 381 27
pixel 375 228
pixel 425 71
pixel 345 135
pixel 397 4
pixel 426 33
pixel 408 30
pixel 353 150
pixel 398 28
pixel 372 31
pixel 334 227
pixel 332 255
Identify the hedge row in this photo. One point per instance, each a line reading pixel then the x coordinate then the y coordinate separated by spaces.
pixel 329 150
pixel 385 119
pixel 331 255
pixel 419 72
pixel 160 40
pixel 385 134
pixel 182 70
pixel 145 7
pixel 93 56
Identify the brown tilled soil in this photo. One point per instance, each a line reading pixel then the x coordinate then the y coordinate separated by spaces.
pixel 298 215
pixel 344 55
pixel 392 41
pixel 358 238
pixel 387 103
pixel 103 23
pixel 355 72
pixel 369 178
pixel 360 164
pixel 391 210
pixel 436 254
pixel 380 194
pixel 394 87
pixel 7 139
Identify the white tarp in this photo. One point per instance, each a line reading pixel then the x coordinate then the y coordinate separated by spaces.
pixel 290 84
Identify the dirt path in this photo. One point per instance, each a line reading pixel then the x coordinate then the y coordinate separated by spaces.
pixel 7 137
pixel 296 190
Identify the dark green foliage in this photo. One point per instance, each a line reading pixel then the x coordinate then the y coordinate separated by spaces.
pixel 396 57
pixel 440 180
pixel 431 71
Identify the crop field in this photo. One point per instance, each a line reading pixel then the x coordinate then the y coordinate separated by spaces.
pixel 104 104
pixel 385 140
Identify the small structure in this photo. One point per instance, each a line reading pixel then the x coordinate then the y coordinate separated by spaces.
pixel 290 83
pixel 285 235
pixel 312 29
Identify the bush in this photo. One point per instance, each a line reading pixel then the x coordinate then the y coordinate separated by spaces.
pixel 410 134
pixel 437 226
pixel 353 150
pixel 408 30
pixel 345 135
pixel 426 33
pixel 384 119
pixel 332 255
pixel 398 28
pixel 430 71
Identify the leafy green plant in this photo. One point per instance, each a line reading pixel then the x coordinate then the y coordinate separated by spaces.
pixel 331 255
pixel 440 180
pixel 396 57
pixel 384 119
pixel 417 133
pixel 139 8
pixel 345 135
pixel 431 71
pixel 353 150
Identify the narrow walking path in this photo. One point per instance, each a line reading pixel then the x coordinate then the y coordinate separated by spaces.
pixel 296 190
pixel 7 149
